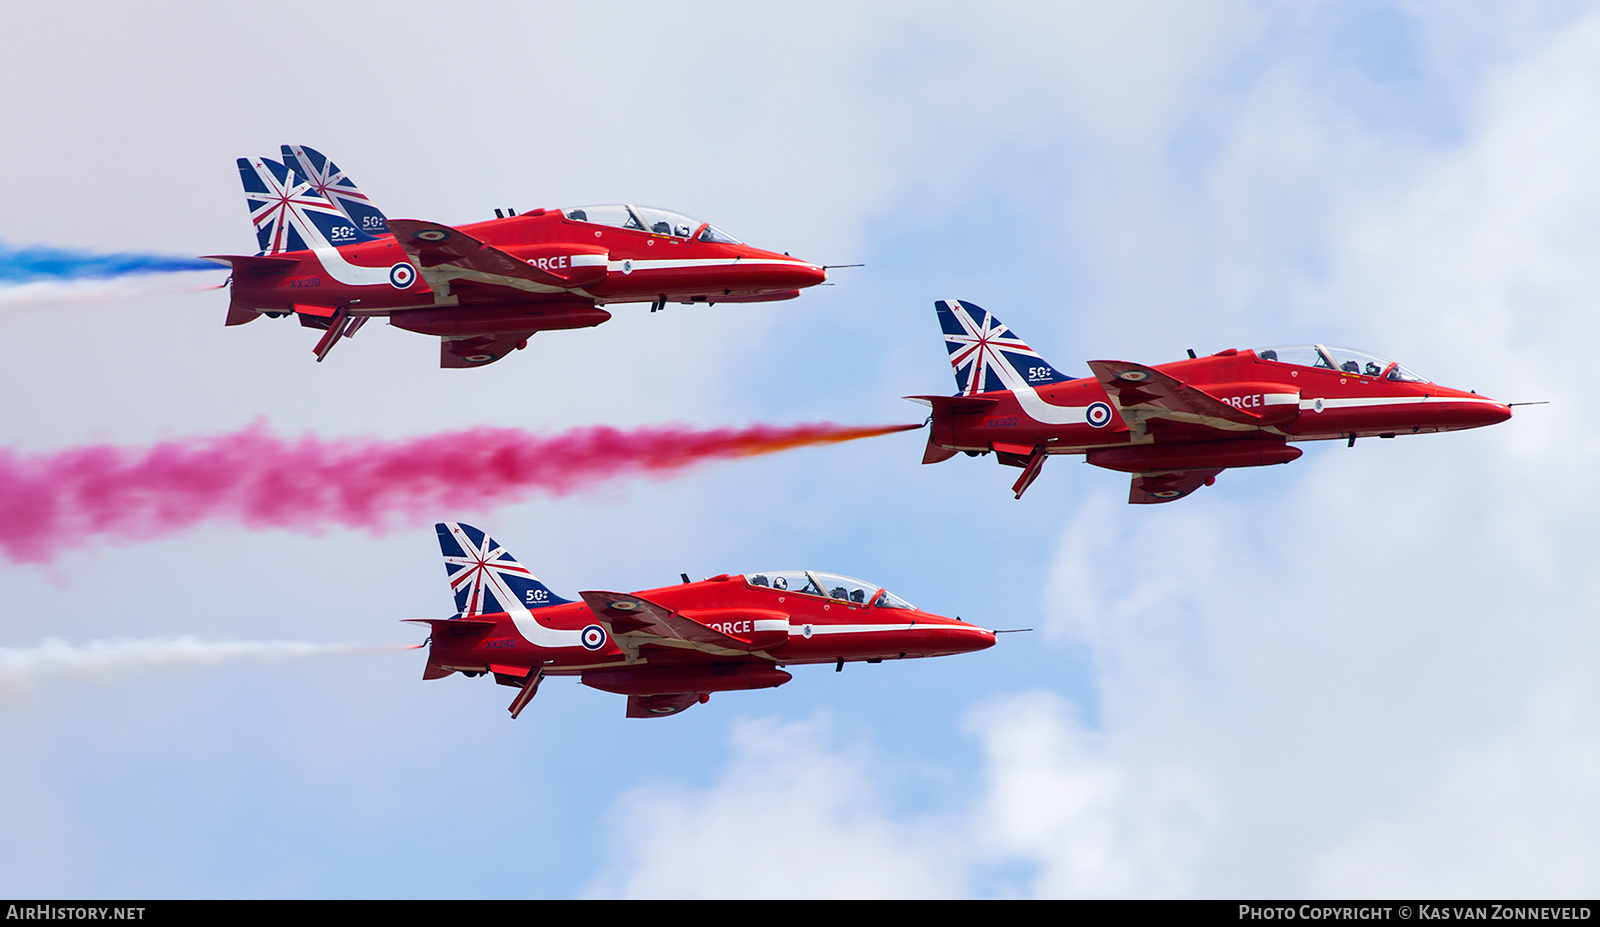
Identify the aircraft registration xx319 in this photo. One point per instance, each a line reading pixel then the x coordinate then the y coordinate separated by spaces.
pixel 668 648
pixel 331 258
pixel 1175 426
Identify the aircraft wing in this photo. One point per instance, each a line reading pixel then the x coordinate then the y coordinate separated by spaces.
pixel 659 706
pixel 1144 393
pixel 479 350
pixel 447 256
pixel 637 622
pixel 1153 488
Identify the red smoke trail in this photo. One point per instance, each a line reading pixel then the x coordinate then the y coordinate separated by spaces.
pixel 49 502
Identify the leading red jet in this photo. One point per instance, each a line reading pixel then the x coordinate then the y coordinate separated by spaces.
pixel 667 649
pixel 331 258
pixel 1175 426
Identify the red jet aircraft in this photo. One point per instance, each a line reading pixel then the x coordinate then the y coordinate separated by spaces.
pixel 1175 426
pixel 330 257
pixel 668 648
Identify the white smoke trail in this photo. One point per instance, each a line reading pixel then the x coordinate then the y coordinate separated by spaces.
pixel 17 298
pixel 108 660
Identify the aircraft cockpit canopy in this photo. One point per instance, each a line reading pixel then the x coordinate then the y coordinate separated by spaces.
pixel 652 220
pixel 828 586
pixel 1343 360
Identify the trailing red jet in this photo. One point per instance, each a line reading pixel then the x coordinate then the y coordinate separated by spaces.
pixel 668 648
pixel 1175 426
pixel 332 259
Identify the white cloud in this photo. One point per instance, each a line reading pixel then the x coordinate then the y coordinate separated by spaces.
pixel 1512 815
pixel 791 816
pixel 1087 822
pixel 795 814
pixel 1366 673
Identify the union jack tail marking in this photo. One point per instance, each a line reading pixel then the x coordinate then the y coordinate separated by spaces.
pixel 486 579
pixel 325 178
pixel 288 214
pixel 986 355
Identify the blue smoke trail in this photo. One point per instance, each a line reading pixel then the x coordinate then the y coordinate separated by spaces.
pixel 24 265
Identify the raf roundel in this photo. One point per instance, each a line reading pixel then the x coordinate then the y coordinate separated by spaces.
pixel 593 637
pixel 402 275
pixel 433 234
pixel 1098 414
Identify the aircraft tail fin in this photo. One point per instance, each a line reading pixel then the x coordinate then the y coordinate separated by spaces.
pixel 323 176
pixel 986 355
pixel 288 214
pixel 485 577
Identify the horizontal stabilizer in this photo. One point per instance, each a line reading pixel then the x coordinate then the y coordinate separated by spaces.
pixel 454 626
pixel 449 627
pixel 956 405
pixel 933 453
pixel 238 315
pixel 253 263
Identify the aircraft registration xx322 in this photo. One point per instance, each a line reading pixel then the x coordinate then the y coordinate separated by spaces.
pixel 667 649
pixel 331 258
pixel 1175 426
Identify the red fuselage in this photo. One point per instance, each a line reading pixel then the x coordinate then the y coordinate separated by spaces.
pixel 1199 416
pixel 1326 404
pixel 770 628
pixel 625 265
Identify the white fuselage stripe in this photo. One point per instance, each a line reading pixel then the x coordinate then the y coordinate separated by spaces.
pixel 870 628
pixel 347 273
pixel 334 264
pixel 1359 402
pixel 639 264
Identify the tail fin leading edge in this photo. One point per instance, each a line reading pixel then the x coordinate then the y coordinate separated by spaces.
pixel 485 577
pixel 986 355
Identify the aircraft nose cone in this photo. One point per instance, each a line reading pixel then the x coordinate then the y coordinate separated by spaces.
pixel 809 275
pixel 979 638
pixel 1490 413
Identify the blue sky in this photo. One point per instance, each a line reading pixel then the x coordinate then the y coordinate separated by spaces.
pixel 1365 674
